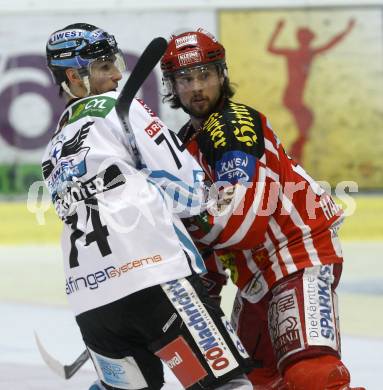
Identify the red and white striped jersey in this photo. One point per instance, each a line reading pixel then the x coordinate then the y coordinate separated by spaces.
pixel 278 219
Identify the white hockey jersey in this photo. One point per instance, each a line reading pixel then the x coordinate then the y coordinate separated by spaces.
pixel 122 230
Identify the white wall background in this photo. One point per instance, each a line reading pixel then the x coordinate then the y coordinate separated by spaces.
pixel 151 5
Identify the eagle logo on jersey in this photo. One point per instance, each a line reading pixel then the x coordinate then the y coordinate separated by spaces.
pixel 62 149
pixel 56 152
pixel 67 160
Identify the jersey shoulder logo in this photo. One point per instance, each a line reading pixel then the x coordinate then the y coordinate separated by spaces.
pixel 236 127
pixel 99 106
pixel 244 124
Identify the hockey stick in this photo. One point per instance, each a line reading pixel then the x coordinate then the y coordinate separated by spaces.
pixel 145 64
pixel 65 371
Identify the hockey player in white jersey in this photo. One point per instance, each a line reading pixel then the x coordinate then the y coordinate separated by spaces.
pixel 131 268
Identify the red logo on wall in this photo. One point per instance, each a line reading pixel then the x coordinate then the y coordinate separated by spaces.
pixel 153 128
pixel 181 359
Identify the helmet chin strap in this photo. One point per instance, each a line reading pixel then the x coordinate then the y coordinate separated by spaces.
pixel 65 87
pixel 87 84
pixel 85 80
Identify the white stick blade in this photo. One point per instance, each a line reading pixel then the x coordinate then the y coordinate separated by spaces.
pixel 51 362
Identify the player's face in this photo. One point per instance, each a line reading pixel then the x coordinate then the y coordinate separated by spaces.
pixel 199 89
pixel 104 76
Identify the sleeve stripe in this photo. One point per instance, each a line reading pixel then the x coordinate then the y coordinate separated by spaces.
pixel 251 213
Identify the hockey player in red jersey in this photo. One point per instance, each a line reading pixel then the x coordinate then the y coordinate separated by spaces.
pixel 274 227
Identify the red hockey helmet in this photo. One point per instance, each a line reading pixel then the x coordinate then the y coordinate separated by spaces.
pixel 190 49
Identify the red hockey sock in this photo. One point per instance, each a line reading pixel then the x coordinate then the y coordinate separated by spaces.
pixel 266 379
pixel 320 373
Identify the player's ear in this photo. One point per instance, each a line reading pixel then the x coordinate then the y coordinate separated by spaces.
pixel 73 76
